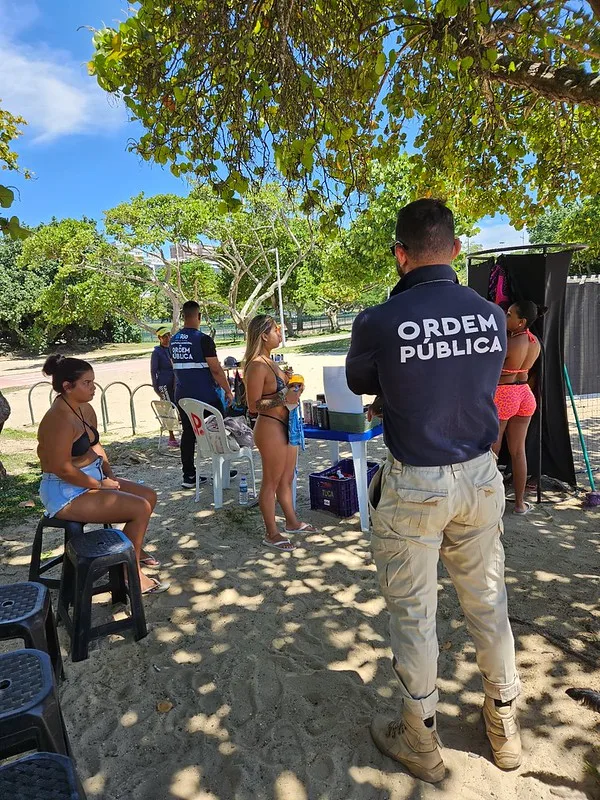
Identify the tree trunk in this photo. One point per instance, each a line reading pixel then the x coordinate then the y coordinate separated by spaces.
pixel 560 84
pixel 289 325
pixel 299 319
pixel 332 316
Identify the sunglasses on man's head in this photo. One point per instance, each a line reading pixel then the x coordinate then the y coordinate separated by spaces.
pixel 395 245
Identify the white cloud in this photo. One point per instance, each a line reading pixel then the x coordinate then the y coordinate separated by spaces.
pixel 497 234
pixel 47 86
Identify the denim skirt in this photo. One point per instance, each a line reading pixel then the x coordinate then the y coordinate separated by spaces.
pixel 55 493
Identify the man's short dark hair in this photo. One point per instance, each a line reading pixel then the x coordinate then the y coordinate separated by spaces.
pixel 425 226
pixel 190 308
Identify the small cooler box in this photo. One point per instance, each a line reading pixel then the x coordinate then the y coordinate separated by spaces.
pixel 337 495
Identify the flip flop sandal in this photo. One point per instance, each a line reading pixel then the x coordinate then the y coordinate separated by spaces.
pixel 158 588
pixel 528 508
pixel 305 527
pixel 149 561
pixel 284 546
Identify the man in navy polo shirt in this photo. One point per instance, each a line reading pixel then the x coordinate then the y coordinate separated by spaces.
pixel 433 354
pixel 197 375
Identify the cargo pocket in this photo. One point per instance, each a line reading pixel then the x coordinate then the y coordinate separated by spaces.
pixel 394 568
pixel 490 499
pixel 419 511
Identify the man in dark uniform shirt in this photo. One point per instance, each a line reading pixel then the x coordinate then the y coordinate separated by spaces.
pixel 161 372
pixel 197 375
pixel 433 354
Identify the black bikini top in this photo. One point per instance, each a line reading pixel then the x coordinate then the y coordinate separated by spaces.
pixel 83 444
pixel 279 382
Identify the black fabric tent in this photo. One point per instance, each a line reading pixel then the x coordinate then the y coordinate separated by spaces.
pixel 541 277
pixel 582 334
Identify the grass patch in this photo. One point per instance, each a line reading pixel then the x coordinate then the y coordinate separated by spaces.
pixel 335 347
pixel 22 481
pixel 15 489
pixel 14 433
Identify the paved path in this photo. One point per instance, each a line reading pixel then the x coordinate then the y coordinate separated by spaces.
pixel 21 373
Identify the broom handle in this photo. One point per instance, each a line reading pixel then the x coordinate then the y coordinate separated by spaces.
pixel 586 457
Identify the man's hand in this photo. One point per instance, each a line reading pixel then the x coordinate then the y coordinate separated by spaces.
pixel 375 409
pixel 229 397
pixel 293 393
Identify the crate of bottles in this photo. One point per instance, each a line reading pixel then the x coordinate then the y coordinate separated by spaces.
pixel 328 492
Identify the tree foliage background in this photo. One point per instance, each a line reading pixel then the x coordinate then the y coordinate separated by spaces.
pixel 573 222
pixel 314 90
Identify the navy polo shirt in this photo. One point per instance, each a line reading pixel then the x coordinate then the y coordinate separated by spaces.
pixel 189 350
pixel 433 352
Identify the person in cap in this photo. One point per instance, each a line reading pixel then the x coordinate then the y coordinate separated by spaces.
pixel 161 372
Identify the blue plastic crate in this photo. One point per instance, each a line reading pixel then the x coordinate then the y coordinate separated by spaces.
pixel 337 495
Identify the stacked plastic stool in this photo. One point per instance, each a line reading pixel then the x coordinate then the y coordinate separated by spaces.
pixel 30 715
pixel 41 776
pixel 26 613
pixel 89 557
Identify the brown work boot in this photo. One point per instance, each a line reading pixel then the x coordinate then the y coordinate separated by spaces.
pixel 502 728
pixel 409 741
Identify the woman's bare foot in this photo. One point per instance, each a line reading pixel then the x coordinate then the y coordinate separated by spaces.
pixel 280 542
pixel 300 527
pixel 148 560
pixel 146 583
pixel 522 508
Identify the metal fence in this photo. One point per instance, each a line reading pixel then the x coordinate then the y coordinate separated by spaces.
pixel 226 330
pixel 103 401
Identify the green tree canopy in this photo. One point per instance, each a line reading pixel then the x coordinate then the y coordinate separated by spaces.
pixel 268 225
pixel 20 290
pixel 576 223
pixel 502 95
pixel 224 258
pixel 72 253
pixel 9 130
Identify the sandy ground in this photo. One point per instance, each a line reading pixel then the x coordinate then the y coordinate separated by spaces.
pixel 274 663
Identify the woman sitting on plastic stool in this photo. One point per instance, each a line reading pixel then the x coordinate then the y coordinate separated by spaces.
pixel 78 483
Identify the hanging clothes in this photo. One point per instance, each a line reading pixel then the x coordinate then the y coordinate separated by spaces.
pixel 499 290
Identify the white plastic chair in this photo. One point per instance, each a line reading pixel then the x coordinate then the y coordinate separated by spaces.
pixel 168 418
pixel 196 411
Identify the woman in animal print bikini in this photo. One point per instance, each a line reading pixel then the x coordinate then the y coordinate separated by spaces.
pixel 514 399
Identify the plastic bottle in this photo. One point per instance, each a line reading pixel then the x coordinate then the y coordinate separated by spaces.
pixel 243 491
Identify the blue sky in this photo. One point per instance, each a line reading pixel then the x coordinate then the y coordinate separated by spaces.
pixel 76 138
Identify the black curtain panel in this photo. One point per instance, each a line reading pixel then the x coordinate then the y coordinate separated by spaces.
pixel 543 279
pixel 582 334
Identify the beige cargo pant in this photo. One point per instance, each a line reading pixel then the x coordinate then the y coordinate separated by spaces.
pixel 419 514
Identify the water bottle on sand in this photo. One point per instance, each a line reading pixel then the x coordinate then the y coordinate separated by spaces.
pixel 243 491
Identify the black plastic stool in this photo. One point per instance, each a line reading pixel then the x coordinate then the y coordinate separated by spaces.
pixel 88 557
pixel 37 567
pixel 26 613
pixel 30 715
pixel 41 776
